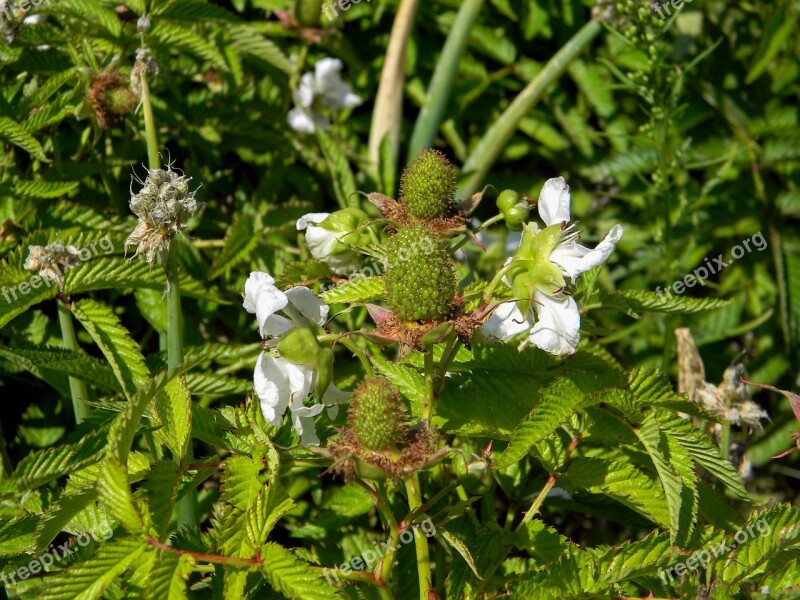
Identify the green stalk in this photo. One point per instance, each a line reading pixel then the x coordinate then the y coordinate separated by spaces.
pixel 493 142
pixel 430 117
pixel 387 115
pixel 187 506
pixel 430 396
pixel 77 387
pixel 420 541
pixel 6 467
pixel 149 126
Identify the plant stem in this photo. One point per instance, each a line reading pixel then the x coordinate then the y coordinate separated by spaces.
pixel 430 395
pixel 149 125
pixel 359 353
pixel 77 388
pixel 387 564
pixel 537 503
pixel 388 112
pixel 187 506
pixel 441 83
pixel 6 467
pixel 468 236
pixel 420 541
pixel 492 143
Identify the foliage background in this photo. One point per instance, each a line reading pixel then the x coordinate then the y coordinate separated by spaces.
pixel 690 139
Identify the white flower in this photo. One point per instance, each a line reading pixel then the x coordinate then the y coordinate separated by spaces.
pixel 549 315
pixel 573 258
pixel 327 245
pixel 324 89
pixel 281 383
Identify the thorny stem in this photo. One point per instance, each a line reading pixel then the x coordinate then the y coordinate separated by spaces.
pixel 420 541
pixel 359 353
pixel 551 482
pixel 468 236
pixel 387 563
pixel 77 388
pixel 430 394
pixel 212 558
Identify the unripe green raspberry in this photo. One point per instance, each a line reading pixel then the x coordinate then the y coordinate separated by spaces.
pixel 420 280
pixel 428 185
pixel 377 414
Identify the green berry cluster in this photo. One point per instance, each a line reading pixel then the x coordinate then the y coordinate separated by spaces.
pixel 420 280
pixel 377 415
pixel 428 185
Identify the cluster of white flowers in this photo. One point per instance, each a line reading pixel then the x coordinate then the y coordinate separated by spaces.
pixel 281 383
pixel 543 309
pixel 318 93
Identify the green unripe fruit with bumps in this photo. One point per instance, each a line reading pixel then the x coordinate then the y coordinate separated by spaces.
pixel 377 415
pixel 428 185
pixel 420 280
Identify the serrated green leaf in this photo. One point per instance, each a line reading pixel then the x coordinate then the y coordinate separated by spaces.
pixel 675 471
pixel 557 404
pixel 116 343
pixel 173 409
pixel 17 135
pixel 293 578
pixel 361 290
pixel 622 482
pixel 116 496
pixel 642 300
pixel 239 243
pixel 90 579
pixel 344 184
pixel 169 577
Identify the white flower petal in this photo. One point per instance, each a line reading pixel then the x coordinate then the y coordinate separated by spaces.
pixel 276 326
pixel 554 201
pixel 505 322
pixel 575 259
pixel 326 73
pixel 309 305
pixel 304 93
pixel 254 283
pixel 557 329
pixel 302 120
pixel 332 397
pixel 303 421
pixel 321 242
pixel 311 219
pixel 271 383
pixel 264 299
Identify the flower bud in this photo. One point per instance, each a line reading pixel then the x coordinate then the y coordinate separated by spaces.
pixel 308 12
pixel 331 238
pixel 514 208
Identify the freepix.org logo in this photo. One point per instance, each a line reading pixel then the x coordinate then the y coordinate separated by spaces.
pixel 12 11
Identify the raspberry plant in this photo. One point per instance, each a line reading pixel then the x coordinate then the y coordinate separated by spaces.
pixel 299 301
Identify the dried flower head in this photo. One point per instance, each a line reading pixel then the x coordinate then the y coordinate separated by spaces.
pixel 52 261
pixel 164 206
pixel 111 98
pixel 145 65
